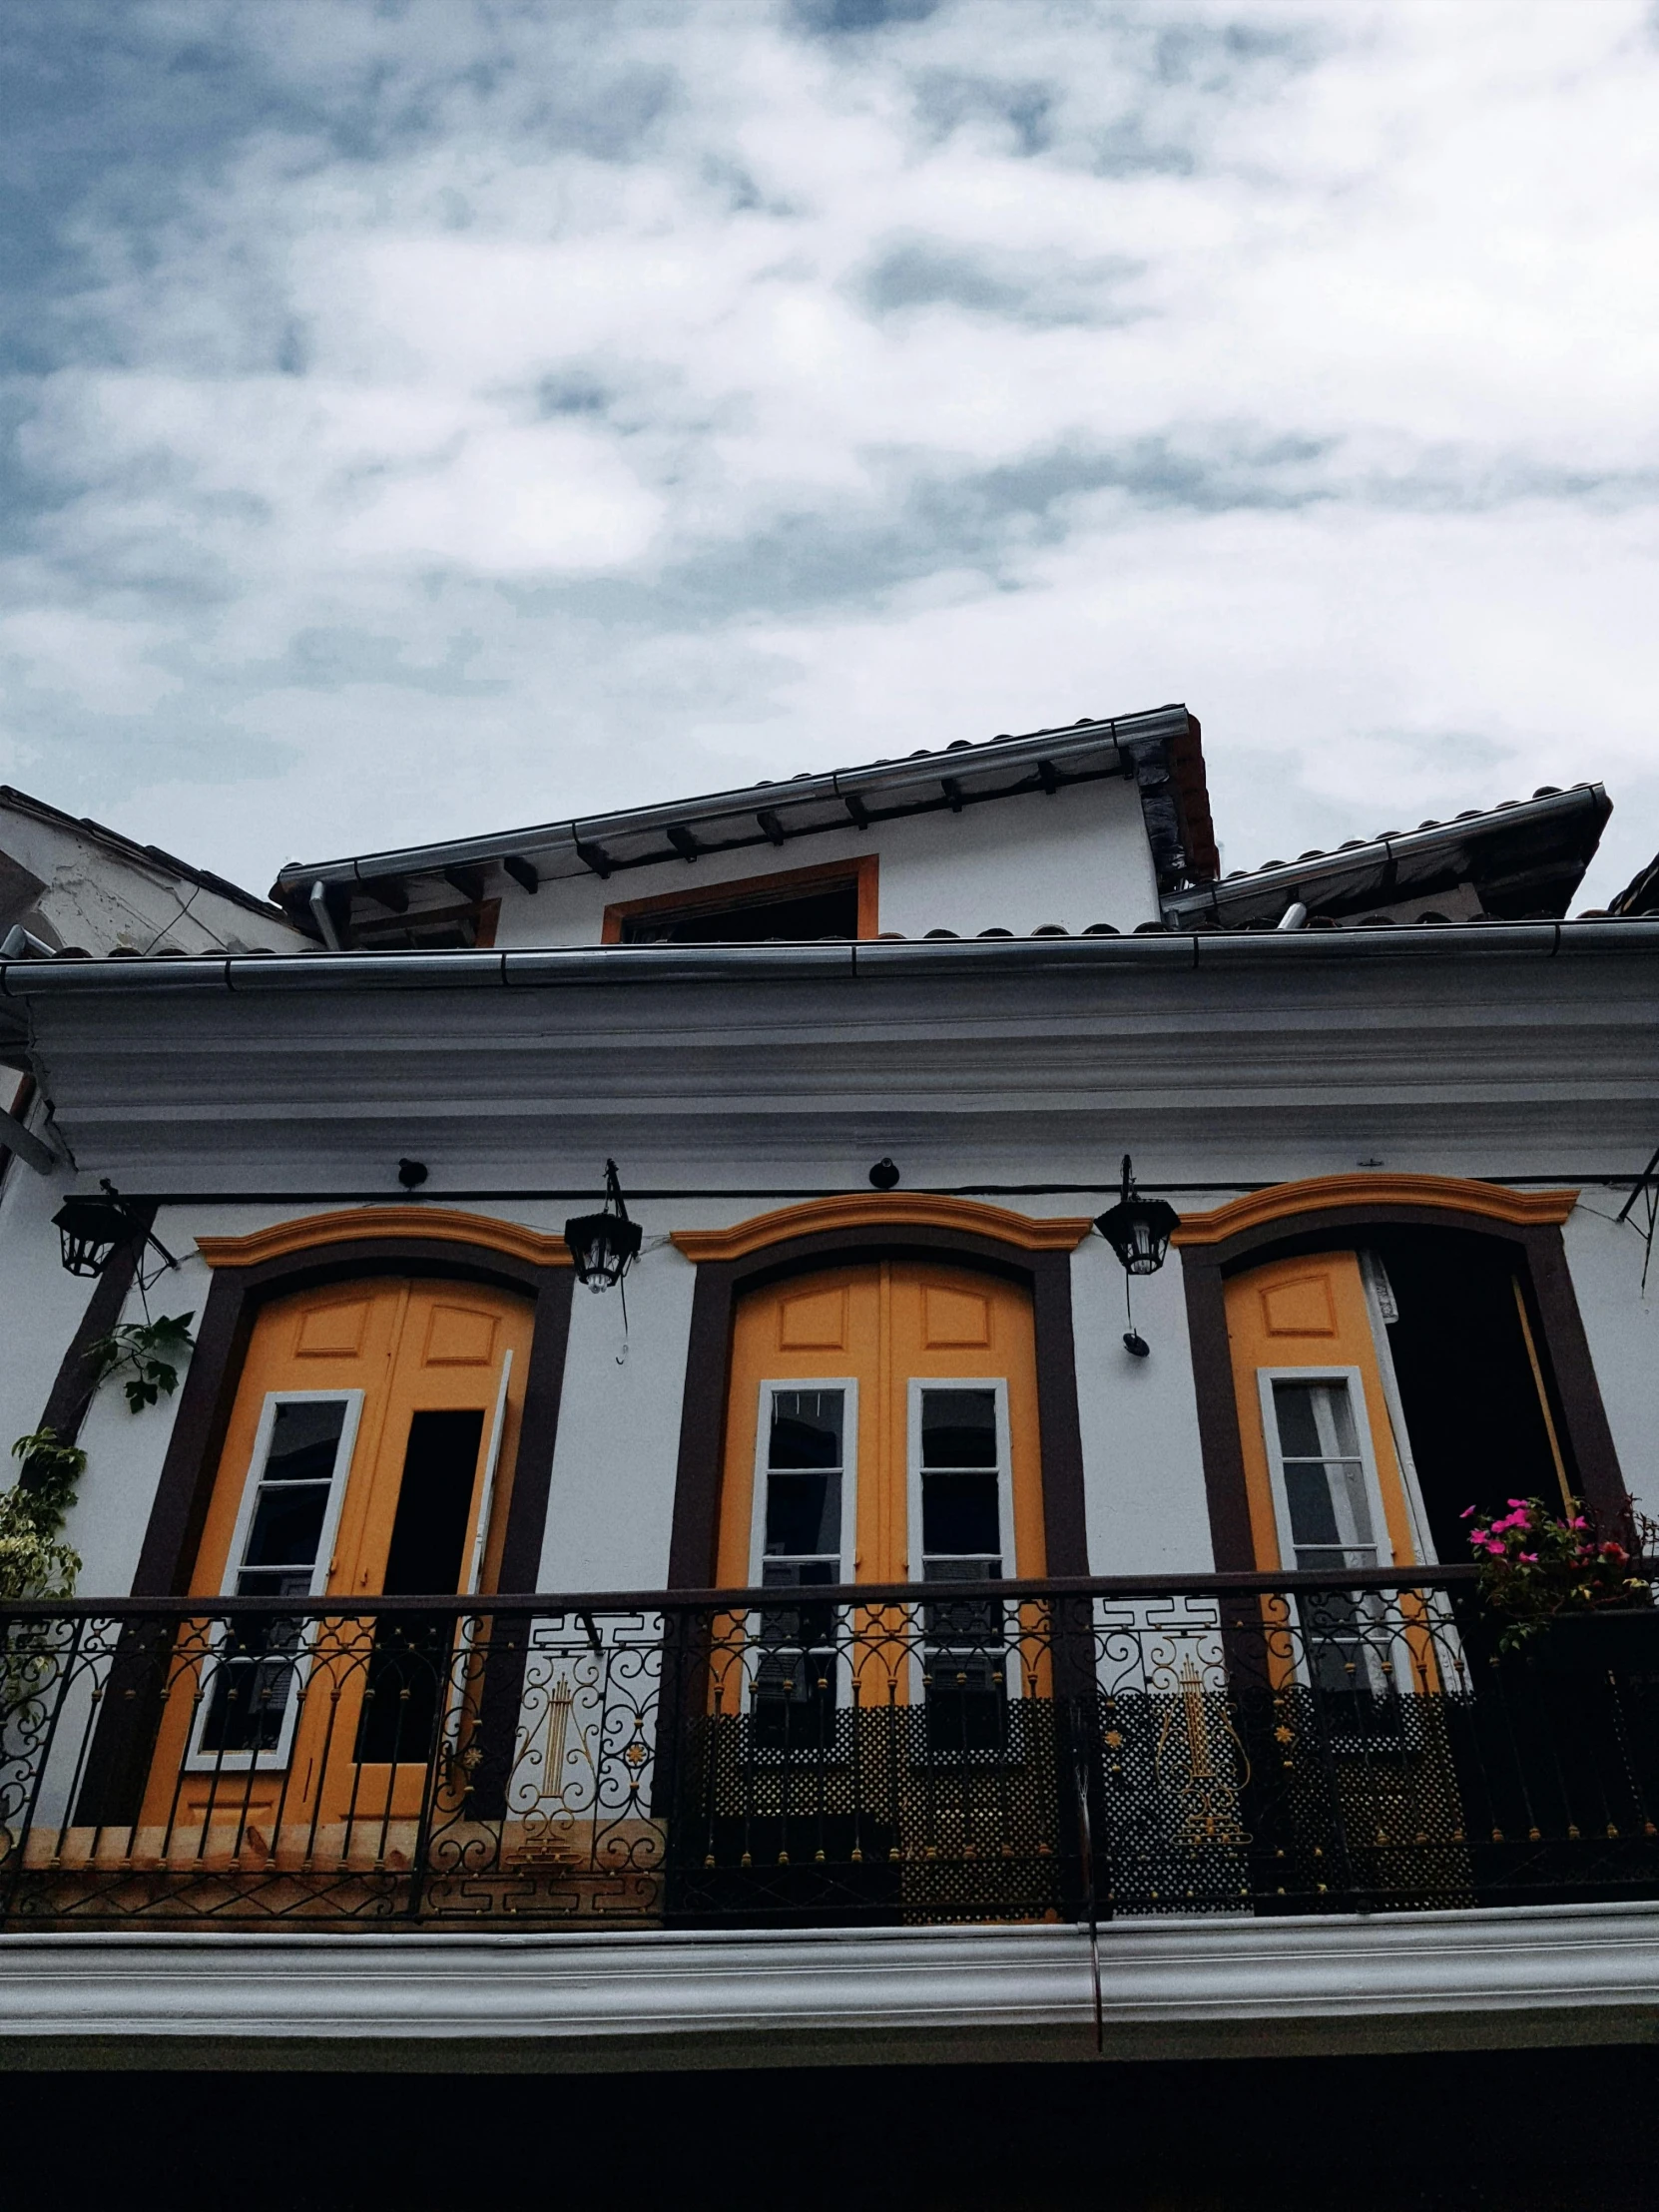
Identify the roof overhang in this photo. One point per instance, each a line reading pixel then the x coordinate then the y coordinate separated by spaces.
pixel 1161 749
pixel 1526 858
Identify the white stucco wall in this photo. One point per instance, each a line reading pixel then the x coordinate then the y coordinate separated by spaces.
pixel 94 895
pixel 39 1306
pixel 1143 1471
pixel 610 1503
pixel 611 1499
pixel 1078 858
pixel 1020 1082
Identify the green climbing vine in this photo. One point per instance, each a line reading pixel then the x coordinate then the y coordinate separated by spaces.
pixel 148 1352
pixel 33 1561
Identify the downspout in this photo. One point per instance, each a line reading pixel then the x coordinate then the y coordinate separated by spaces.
pixel 1294 916
pixel 324 919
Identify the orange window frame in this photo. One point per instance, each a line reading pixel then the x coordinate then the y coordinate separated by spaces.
pixel 784 882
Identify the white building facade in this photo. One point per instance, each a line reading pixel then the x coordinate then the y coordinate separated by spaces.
pixel 868 1052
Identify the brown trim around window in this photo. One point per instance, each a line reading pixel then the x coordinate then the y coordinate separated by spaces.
pixel 1547 1284
pixel 744 890
pixel 691 1547
pixel 168 1555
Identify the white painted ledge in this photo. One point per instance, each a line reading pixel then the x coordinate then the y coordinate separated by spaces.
pixel 1426 1980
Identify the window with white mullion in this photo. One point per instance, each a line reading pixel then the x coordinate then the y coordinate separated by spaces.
pixel 281 1548
pixel 1326 1488
pixel 1329 1508
pixel 803 1483
pixel 959 1494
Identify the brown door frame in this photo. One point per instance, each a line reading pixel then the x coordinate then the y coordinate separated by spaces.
pixel 167 1557
pixel 1047 1276
pixel 119 1757
pixel 1541 1266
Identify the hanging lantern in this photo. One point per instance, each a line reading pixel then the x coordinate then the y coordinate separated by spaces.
pixel 93 1229
pixel 1138 1229
pixel 604 1245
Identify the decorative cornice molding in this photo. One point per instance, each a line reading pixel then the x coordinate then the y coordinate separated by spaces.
pixel 420 1224
pixel 1408 1981
pixel 1321 1192
pixel 883 1210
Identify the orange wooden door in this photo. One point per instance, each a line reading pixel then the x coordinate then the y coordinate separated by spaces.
pixel 369 1451
pixel 893 1380
pixel 1325 1480
pixel 881 1429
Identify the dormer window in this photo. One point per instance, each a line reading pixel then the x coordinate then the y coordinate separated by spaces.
pixel 800 905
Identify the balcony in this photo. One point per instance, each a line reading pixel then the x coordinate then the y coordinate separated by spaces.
pixel 1206 1748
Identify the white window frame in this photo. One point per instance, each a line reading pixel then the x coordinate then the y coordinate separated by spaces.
pixel 847 1384
pixel 198 1760
pixel 1354 1378
pixel 916 1565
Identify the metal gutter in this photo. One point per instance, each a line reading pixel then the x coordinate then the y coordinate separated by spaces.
pixel 963 763
pixel 933 960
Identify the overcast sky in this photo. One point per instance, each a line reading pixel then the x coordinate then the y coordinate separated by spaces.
pixel 426 418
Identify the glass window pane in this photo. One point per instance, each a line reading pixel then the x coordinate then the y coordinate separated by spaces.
pixel 959 1429
pixel 804 1513
pixel 1313 1510
pixel 796 1575
pixel 1299 1436
pixel 304 1442
pixel 805 1429
pixel 958 1514
pixel 1336 1419
pixel 287 1523
pixel 1352 1493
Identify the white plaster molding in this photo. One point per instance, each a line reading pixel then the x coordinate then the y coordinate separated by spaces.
pixel 1532 1974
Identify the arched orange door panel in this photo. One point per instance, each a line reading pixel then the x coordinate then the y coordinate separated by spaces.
pixel 1325 1480
pixel 912 1388
pixel 881 1427
pixel 369 1451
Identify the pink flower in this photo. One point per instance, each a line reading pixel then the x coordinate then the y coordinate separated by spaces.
pixel 1468 1513
pixel 1531 1558
pixel 1580 1522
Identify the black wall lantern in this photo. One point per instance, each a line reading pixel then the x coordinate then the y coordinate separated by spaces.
pixel 605 1245
pixel 93 1230
pixel 1138 1231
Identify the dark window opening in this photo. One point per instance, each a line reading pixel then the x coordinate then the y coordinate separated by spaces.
pixel 831 910
pixel 1468 1384
pixel 409 1667
pixel 443 929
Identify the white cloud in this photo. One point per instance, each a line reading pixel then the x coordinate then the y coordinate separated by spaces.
pixel 560 406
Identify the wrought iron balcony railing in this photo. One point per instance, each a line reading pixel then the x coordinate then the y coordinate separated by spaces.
pixel 1009 1751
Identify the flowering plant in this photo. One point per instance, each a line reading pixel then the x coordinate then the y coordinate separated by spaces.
pixel 1536 1566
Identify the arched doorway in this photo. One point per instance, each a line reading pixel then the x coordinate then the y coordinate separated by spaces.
pixel 882 1426
pixel 1384 1387
pixel 847 1758
pixel 370 1452
pixel 1476 1346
